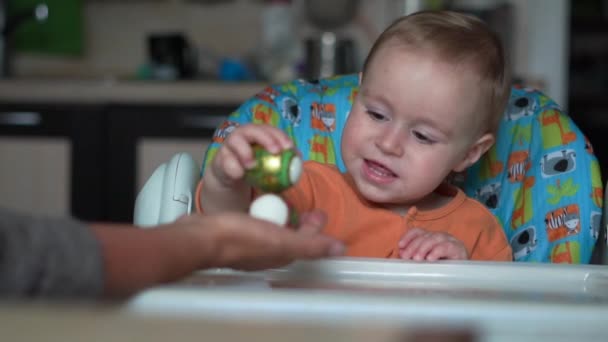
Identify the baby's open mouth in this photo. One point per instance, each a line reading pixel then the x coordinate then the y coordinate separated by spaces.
pixel 378 169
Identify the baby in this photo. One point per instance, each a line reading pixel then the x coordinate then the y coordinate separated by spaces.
pixel 432 93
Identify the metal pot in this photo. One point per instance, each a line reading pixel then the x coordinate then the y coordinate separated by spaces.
pixel 329 55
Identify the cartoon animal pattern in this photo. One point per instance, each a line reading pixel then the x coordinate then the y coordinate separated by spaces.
pixel 549 197
pixel 540 179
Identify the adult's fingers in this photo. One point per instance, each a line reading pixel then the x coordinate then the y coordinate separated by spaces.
pixel 312 222
pixel 259 244
pixel 308 242
pixel 299 246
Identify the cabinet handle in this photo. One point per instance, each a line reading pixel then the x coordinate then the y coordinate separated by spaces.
pixel 201 121
pixel 29 119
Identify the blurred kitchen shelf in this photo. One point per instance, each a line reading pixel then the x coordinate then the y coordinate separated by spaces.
pixel 111 91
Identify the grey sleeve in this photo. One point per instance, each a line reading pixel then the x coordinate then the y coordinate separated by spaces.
pixel 48 257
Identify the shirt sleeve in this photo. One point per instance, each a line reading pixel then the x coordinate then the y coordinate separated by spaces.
pixel 49 257
pixel 492 243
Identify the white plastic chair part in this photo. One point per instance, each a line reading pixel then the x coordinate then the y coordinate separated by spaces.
pixel 168 193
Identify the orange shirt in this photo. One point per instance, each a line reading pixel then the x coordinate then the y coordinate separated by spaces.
pixel 369 230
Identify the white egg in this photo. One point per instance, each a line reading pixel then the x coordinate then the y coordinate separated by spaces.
pixel 270 207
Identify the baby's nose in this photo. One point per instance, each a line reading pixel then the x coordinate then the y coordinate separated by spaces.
pixel 391 141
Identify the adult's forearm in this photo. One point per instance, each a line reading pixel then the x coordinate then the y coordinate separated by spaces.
pixel 51 257
pixel 135 259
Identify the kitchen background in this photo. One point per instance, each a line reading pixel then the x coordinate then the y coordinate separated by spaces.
pixel 114 34
pixel 97 93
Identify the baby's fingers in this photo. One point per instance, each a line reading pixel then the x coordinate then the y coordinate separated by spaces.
pixel 228 166
pixel 270 138
pixel 410 236
pixel 430 242
pixel 239 146
pixel 277 139
pixel 411 249
pixel 450 250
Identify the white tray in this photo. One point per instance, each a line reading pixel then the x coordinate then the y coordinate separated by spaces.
pixel 498 299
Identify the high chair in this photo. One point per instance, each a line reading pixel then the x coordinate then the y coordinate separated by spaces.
pixel 541 179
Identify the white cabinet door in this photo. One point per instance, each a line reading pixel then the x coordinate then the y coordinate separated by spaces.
pixel 35 175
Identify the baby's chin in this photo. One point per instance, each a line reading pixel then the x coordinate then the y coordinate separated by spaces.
pixel 391 197
pixel 400 208
pixel 379 197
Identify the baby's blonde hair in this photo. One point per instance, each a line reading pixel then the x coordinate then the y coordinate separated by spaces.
pixel 458 39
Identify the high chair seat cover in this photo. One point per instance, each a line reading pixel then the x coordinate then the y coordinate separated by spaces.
pixel 541 179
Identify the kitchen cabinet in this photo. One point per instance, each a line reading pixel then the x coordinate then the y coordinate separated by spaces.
pixel 52 159
pixel 589 74
pixel 33 175
pixel 91 161
pixel 141 137
pixel 86 148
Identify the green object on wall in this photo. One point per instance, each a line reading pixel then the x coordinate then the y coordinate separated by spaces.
pixel 60 34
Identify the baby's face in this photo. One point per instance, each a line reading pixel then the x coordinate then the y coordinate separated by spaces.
pixel 412 123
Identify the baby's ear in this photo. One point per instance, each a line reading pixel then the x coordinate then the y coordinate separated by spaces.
pixel 476 151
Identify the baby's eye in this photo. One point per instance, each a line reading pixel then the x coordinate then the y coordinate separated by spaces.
pixel 422 138
pixel 376 116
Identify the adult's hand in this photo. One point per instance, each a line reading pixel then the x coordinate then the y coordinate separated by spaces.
pixel 241 242
pixel 137 258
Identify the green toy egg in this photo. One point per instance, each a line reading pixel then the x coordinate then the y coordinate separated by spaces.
pixel 274 172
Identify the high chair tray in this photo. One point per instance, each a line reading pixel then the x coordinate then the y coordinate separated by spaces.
pixel 492 296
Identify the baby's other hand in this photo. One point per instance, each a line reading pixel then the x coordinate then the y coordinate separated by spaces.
pixel 419 245
pixel 236 155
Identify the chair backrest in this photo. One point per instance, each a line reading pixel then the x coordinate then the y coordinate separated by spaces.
pixel 541 179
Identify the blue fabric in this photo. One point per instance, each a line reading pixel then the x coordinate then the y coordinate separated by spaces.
pixel 540 179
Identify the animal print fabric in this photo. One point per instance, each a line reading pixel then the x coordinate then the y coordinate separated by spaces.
pixel 541 179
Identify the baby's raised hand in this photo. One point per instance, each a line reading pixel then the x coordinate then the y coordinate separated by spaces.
pixel 236 154
pixel 418 244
